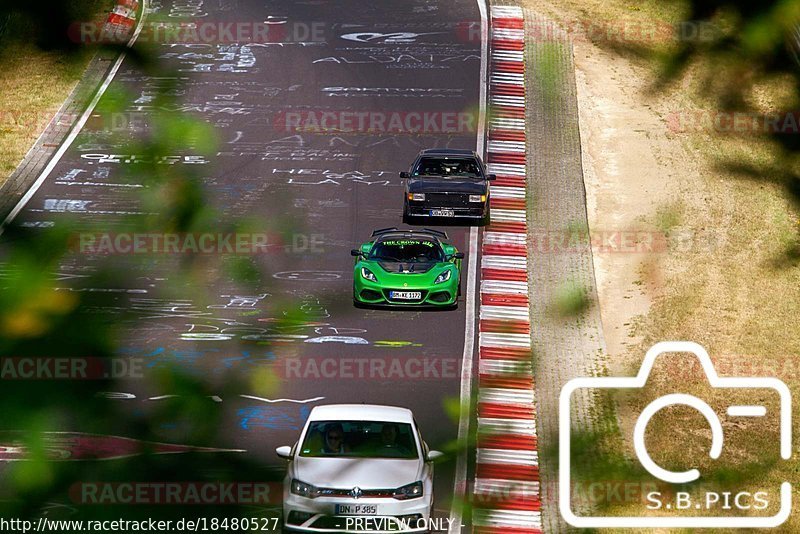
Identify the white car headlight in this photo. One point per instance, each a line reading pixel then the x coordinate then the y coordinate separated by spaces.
pixel 368 275
pixel 409 491
pixel 419 197
pixel 304 490
pixel 477 198
pixel 443 277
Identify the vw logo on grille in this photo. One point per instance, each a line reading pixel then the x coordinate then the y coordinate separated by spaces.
pixel 356 492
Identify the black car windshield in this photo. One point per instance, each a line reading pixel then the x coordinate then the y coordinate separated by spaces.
pixel 407 251
pixel 448 168
pixel 359 439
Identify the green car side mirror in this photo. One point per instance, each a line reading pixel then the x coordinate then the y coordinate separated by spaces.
pixel 459 255
pixel 355 252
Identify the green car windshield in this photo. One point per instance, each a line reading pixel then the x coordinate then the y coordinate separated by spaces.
pixel 407 251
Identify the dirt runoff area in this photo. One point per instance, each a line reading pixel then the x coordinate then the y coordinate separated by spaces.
pixel 685 247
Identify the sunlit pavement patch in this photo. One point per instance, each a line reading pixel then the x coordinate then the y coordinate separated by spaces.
pixel 506 490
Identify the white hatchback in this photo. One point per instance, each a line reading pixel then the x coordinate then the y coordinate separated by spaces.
pixel 358 467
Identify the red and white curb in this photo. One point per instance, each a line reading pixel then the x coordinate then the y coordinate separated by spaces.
pixel 121 21
pixel 506 491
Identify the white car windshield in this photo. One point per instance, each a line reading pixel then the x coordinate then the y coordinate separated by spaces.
pixel 359 439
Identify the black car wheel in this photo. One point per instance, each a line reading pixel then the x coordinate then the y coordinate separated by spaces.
pixel 487 217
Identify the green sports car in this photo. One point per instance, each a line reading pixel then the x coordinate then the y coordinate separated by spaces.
pixel 407 268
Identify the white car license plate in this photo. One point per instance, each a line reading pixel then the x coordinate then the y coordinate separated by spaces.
pixel 405 295
pixel 443 213
pixel 356 509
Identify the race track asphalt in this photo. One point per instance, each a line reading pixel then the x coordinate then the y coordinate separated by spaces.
pixel 329 189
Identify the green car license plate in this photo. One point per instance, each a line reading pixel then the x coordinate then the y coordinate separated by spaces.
pixel 405 295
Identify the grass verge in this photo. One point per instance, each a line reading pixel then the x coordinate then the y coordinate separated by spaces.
pixel 34 83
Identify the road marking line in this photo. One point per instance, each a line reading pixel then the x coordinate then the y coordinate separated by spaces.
pixel 460 480
pixel 274 401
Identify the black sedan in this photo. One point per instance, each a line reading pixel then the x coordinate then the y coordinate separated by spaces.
pixel 447 184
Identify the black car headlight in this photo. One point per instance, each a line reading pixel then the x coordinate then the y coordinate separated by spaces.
pixel 409 491
pixel 417 197
pixel 443 277
pixel 368 275
pixel 477 198
pixel 304 490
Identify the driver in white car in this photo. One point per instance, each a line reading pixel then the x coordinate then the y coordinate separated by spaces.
pixel 334 440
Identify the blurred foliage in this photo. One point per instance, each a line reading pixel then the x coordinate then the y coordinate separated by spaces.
pixel 751 49
pixel 569 299
pixel 38 318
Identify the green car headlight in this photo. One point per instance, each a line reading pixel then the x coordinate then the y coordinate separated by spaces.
pixel 443 277
pixel 368 275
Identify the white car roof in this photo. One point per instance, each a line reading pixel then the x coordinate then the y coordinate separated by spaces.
pixel 361 412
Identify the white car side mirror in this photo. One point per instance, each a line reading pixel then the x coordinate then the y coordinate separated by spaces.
pixel 434 455
pixel 284 452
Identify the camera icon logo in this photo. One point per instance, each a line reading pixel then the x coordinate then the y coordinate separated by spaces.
pixel 646 461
